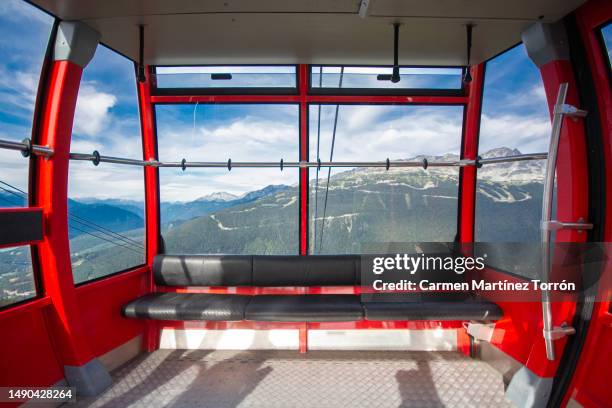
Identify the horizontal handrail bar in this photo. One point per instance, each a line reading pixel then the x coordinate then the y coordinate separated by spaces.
pixel 305 164
pixel 26 148
pixel 96 158
pixel 510 159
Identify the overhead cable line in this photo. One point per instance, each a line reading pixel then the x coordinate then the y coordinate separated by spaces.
pixel 331 157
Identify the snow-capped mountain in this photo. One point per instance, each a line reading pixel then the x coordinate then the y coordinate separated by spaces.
pixel 515 172
pixel 218 196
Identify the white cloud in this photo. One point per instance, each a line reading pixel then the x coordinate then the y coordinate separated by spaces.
pixel 92 110
pixel 18 9
pixel 374 133
pixel 527 134
pixel 105 181
pixel 18 91
pixel 248 139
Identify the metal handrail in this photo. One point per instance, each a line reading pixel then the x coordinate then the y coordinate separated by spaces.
pixel 27 148
pixel 560 110
pixel 97 158
pixel 515 158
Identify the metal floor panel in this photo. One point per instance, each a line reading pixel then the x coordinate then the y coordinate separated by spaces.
pixel 200 378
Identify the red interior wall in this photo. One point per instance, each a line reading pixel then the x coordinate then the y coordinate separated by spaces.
pixel 27 356
pixel 591 384
pixel 519 333
pixel 100 305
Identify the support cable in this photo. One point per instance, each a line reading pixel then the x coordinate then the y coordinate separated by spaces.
pixel 318 167
pixel 331 157
pixel 83 221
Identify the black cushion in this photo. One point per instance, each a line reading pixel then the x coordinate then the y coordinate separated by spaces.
pixel 200 270
pixel 304 308
pixel 466 309
pixel 188 306
pixel 318 270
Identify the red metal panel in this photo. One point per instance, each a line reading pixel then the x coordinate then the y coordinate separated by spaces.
pixel 151 175
pixel 100 304
pixel 66 328
pixel 469 150
pixel 463 341
pixel 519 333
pixel 27 356
pixel 572 173
pixel 590 384
pixel 304 338
pixel 304 190
pixel 151 178
pixel 31 306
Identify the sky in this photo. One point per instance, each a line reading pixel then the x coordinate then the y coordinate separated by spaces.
pixel 515 115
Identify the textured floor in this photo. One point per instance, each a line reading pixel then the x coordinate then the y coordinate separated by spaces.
pixel 181 378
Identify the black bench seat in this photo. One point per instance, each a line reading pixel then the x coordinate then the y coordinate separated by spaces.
pixel 188 306
pixel 278 271
pixel 464 310
pixel 304 308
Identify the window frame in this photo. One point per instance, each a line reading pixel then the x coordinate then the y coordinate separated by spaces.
pixel 157 91
pixel 312 90
pixel 305 97
pixel 233 102
pixel 144 227
pixel 379 103
pixel 478 140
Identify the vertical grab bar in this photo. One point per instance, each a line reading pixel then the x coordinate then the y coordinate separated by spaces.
pixel 560 111
pixel 547 201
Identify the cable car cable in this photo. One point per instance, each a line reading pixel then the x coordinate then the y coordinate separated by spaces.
pixel 331 157
pixel 318 160
pixel 81 230
pixel 104 239
pixel 94 226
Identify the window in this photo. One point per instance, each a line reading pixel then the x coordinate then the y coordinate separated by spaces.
pixel 606 35
pixel 106 203
pixel 24 35
pixel 374 205
pixel 336 77
pixel 241 77
pixel 515 120
pixel 242 211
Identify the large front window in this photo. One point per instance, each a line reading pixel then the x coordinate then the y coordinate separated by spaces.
pixel 237 211
pixel 354 206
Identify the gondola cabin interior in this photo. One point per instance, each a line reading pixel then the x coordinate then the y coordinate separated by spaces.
pixel 220 203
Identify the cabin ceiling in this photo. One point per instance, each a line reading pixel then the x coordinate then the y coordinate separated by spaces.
pixel 181 32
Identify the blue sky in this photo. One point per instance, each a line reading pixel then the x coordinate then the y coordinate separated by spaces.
pixel 514 115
